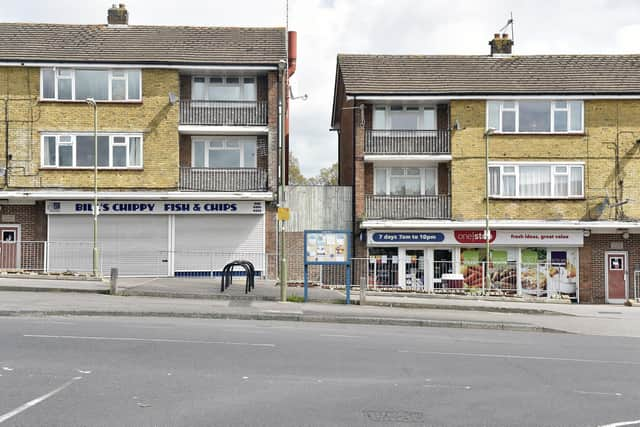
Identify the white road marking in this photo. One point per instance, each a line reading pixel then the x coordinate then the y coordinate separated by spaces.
pixel 37 400
pixel 340 336
pixel 83 372
pixel 516 356
pixel 622 423
pixel 5 368
pixel 165 340
pixel 599 393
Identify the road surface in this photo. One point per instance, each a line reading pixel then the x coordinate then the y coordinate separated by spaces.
pixel 100 371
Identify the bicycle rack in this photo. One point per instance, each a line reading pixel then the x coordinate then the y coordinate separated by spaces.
pixel 227 275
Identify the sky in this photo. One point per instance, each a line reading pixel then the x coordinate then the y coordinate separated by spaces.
pixel 328 27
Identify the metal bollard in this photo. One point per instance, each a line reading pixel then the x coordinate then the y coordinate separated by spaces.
pixel 363 290
pixel 114 281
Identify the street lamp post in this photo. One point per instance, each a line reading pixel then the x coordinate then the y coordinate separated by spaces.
pixel 93 103
pixel 487 230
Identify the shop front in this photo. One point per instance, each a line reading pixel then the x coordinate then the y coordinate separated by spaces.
pixel 155 237
pixel 523 262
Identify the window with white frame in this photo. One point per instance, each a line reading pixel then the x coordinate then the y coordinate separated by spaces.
pixel 223 152
pixel 535 116
pixel 404 117
pixel 77 151
pixel 224 88
pixel 406 181
pixel 533 180
pixel 78 84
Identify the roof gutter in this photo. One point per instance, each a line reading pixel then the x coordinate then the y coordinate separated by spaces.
pixel 182 66
pixel 492 96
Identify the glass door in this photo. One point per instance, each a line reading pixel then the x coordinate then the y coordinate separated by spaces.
pixel 414 269
pixel 442 264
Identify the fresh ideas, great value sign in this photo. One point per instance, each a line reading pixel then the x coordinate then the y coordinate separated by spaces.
pixel 156 207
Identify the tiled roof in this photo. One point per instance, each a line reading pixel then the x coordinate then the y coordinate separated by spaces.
pixel 138 43
pixel 486 75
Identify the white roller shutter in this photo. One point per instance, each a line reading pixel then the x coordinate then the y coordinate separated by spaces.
pixel 208 242
pixel 135 244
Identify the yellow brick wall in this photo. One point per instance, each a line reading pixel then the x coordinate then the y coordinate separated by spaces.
pixel 606 122
pixel 155 117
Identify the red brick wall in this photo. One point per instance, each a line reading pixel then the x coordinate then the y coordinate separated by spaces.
pixel 592 264
pixel 33 222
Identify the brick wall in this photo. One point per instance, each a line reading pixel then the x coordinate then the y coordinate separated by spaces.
pixel 33 232
pixel 605 122
pixel 592 264
pixel 155 117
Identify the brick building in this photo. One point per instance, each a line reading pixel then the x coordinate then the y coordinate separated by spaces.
pixel 563 184
pixel 187 150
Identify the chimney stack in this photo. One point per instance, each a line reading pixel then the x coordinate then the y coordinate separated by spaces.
pixel 501 45
pixel 118 15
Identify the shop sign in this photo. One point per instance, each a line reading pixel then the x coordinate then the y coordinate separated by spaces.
pixel 404 237
pixel 473 236
pixel 541 238
pixel 151 207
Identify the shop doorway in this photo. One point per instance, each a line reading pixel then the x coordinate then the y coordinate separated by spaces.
pixel 442 264
pixel 616 277
pixel 414 269
pixel 9 256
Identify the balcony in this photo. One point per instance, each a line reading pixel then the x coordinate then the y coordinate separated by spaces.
pixel 223 113
pixel 227 179
pixel 407 207
pixel 394 142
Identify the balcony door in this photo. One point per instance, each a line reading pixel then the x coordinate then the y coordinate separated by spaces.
pixel 220 88
pixel 405 181
pixel 223 152
pixel 404 117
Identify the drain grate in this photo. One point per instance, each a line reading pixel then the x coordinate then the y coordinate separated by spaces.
pixel 609 312
pixel 394 416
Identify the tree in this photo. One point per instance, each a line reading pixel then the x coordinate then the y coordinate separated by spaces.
pixel 295 176
pixel 327 176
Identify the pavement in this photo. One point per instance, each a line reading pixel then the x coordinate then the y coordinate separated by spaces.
pixel 176 297
pixel 587 320
pixel 127 371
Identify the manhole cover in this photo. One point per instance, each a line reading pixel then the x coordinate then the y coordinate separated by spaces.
pixel 394 416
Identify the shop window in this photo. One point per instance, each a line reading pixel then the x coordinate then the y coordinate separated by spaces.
pixel 383 267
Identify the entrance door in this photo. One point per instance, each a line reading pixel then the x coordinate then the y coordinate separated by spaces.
pixel 442 264
pixel 414 269
pixel 8 247
pixel 616 277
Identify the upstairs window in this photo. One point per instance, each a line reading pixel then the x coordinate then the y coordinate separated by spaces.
pixel 404 117
pixel 71 84
pixel 77 151
pixel 223 152
pixel 535 116
pixel 533 180
pixel 405 181
pixel 224 88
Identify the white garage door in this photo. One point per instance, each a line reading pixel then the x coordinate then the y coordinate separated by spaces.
pixel 208 242
pixel 135 244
